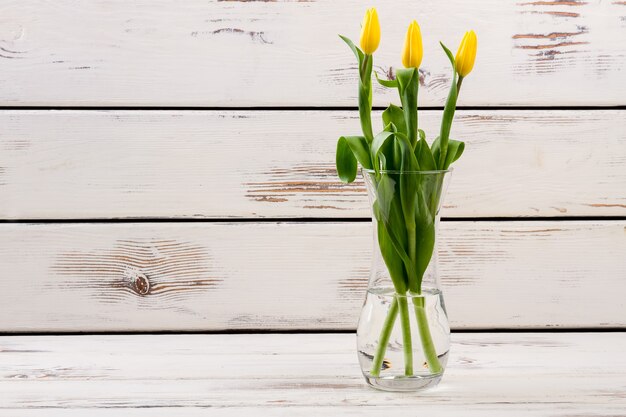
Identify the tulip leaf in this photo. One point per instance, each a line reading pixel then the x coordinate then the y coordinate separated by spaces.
pixel 390 256
pixel 436 149
pixel 345 161
pixel 386 83
pixel 394 114
pixel 377 145
pixel 425 241
pixel 389 213
pixel 385 192
pixel 424 156
pixel 448 53
pixel 448 113
pixel 422 134
pixel 360 149
pixel 404 76
pixel 365 88
pixel 357 52
pixel 409 162
pixel 455 150
pixel 408 86
pixel 394 263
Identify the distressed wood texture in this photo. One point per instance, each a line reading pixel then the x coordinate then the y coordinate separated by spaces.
pixel 507 374
pixel 236 53
pixel 103 164
pixel 199 276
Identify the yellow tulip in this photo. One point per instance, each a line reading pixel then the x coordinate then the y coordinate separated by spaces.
pixel 465 56
pixel 370 32
pixel 413 51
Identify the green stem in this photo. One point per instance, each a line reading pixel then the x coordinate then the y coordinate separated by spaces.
pixel 383 339
pixel 406 334
pixel 365 98
pixel 458 85
pixel 426 338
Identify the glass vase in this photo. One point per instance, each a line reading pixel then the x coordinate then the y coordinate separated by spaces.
pixel 403 335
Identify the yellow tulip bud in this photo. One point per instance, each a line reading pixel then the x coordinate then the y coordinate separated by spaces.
pixel 465 56
pixel 370 32
pixel 413 51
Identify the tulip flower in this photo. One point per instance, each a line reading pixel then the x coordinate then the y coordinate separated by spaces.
pixel 465 56
pixel 370 32
pixel 413 51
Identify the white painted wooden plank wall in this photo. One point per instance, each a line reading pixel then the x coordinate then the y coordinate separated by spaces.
pixel 249 98
pixel 115 160
pixel 215 276
pixel 236 53
pixel 258 161
pixel 102 164
pixel 505 374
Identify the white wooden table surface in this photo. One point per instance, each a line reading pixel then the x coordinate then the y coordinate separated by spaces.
pixel 499 374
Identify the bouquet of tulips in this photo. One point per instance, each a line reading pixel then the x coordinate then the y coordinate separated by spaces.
pixel 405 206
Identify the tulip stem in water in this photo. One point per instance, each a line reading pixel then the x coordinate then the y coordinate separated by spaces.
pixel 400 303
pixel 383 340
pixel 426 338
pixel 407 343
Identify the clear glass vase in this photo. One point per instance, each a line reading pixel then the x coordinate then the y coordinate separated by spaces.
pixel 403 336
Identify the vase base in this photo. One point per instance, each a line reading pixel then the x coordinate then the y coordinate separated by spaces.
pixel 404 383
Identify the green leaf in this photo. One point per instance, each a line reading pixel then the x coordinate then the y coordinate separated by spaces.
pixel 365 88
pixel 448 113
pixel 421 234
pixel 360 149
pixel 435 148
pixel 408 87
pixel 357 52
pixel 422 134
pixel 425 242
pixel 404 77
pixel 385 192
pixel 409 162
pixel 448 53
pixel 345 161
pixel 455 150
pixel 424 156
pixel 391 258
pixel 377 145
pixel 391 216
pixel 386 83
pixel 394 114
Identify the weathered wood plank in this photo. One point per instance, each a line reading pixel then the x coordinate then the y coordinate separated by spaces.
pixel 102 164
pixel 279 375
pixel 213 276
pixel 235 53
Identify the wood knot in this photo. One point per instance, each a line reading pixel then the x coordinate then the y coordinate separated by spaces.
pixel 139 282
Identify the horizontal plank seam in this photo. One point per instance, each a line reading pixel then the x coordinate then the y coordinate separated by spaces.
pixel 300 220
pixel 299 108
pixel 311 331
